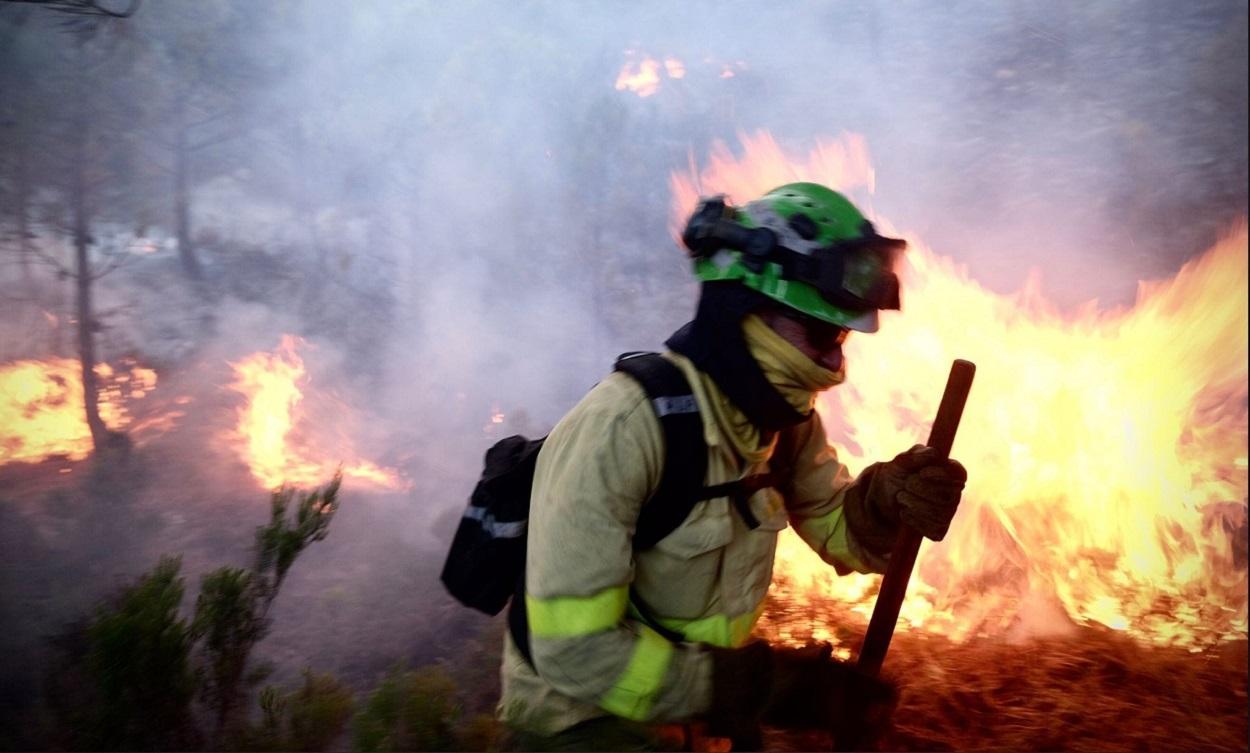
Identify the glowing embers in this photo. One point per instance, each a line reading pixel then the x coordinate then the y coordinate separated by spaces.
pixel 1106 449
pixel 289 435
pixel 643 75
pixel 42 411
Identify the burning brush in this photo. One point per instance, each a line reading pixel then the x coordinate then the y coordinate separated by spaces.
pixel 42 411
pixel 286 441
pixel 1107 450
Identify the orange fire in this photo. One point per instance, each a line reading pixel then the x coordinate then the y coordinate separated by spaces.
pixel 641 78
pixel 1106 449
pixel 284 442
pixel 42 414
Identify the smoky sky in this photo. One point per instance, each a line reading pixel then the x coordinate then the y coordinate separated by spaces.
pixel 1100 144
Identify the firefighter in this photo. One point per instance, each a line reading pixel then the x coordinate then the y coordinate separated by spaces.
pixel 623 640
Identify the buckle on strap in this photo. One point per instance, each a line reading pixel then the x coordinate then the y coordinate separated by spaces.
pixel 739 493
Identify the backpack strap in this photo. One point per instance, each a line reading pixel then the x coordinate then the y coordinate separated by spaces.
pixel 685 450
pixel 739 492
pixel 518 619
pixel 685 465
pixel 681 482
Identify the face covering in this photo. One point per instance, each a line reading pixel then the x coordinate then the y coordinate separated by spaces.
pixel 795 376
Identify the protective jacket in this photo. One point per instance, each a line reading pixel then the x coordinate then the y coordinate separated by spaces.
pixel 594 648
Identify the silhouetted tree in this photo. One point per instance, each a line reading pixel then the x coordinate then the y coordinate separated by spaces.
pixel 232 612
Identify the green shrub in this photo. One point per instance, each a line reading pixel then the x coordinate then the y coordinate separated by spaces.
pixel 127 676
pixel 227 624
pixel 416 710
pixel 122 679
pixel 481 732
pixel 318 711
pixel 232 612
pixel 311 717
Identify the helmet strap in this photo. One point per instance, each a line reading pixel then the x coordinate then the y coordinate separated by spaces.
pixel 714 343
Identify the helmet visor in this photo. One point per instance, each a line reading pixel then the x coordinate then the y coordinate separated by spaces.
pixel 859 274
pixel 855 274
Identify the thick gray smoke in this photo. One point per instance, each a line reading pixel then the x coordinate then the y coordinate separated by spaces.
pixel 500 178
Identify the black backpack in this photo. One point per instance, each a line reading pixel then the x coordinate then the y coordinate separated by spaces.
pixel 485 565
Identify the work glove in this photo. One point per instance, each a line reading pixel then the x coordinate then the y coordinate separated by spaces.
pixel 918 488
pixel 794 688
pixel 742 683
pixel 812 690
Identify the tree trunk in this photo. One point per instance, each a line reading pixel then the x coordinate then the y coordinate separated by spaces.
pixel 86 344
pixel 82 275
pixel 21 187
pixel 24 250
pixel 182 202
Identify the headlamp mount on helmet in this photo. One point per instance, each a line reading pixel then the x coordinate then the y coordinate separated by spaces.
pixel 713 227
pixel 855 273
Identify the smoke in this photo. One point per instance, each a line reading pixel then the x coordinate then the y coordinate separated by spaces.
pixel 1098 145
pixel 488 214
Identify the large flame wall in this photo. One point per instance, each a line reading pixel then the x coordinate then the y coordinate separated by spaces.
pixel 1106 449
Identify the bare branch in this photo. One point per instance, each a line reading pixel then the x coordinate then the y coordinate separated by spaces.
pixel 61 270
pixel 224 112
pixel 85 7
pixel 114 261
pixel 219 139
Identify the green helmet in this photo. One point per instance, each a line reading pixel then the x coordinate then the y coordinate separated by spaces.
pixel 802 245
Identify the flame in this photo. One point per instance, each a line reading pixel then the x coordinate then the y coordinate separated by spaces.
pixel 844 162
pixel 642 78
pixel 42 413
pixel 1106 449
pixel 284 444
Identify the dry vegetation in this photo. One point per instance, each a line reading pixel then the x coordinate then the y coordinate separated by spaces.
pixel 1093 690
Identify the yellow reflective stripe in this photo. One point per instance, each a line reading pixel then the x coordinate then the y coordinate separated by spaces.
pixel 573 616
pixel 822 528
pixel 635 690
pixel 828 534
pixel 718 630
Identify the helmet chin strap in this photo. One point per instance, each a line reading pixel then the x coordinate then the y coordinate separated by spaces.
pixel 714 342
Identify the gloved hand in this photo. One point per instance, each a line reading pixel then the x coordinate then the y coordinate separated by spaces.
pixel 742 683
pixel 789 687
pixel 811 690
pixel 917 488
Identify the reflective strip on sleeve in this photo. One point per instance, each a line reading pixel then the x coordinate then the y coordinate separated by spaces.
pixel 635 690
pixel 823 528
pixel 718 630
pixel 830 536
pixel 575 616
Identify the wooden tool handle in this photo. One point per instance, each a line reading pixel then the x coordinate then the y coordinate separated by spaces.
pixel 903 558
